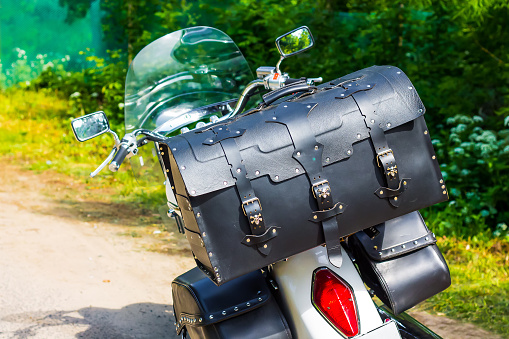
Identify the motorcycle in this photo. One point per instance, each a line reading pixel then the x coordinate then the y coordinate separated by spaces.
pixel 196 78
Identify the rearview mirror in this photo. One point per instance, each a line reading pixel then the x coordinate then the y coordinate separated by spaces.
pixel 89 126
pixel 294 42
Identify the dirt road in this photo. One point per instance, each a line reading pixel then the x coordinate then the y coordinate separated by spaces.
pixel 61 277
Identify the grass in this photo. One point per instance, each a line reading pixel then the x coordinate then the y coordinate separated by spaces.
pixel 35 134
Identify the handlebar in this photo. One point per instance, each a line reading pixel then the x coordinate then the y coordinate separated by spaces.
pixel 119 158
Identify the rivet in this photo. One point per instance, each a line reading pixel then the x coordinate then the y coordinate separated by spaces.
pixel 276 177
pixel 410 87
pixel 380 253
pixel 350 85
pixel 388 124
pixel 441 181
pixel 211 316
pixel 381 192
pixel 315 217
pixel 193 192
pixel 257 172
pixel 349 152
pixel 248 304
pixel 420 110
pixel 444 192
pixel 372 121
pixel 248 240
pixel 210 254
pixel 426 238
pixel 368 86
pixel 183 167
pixel 375 247
pixel 238 170
pixel 274 230
pixel 433 234
pixel 223 313
pixel 342 95
pixel 426 132
pixel 298 154
pixel 392 250
pixel 340 207
pixel 174 149
pixel 219 279
pixel 358 135
pixel 404 182
pixel 215 269
pixel 198 215
pixel 403 246
pixel 443 187
pixel 210 140
pixel 274 118
pixel 316 147
pixel 433 157
pixel 296 170
pixel 260 299
pixel 309 106
pixel 238 132
pixel 265 246
pixel 225 183
pixel 204 234
pixel 327 159
pixel 395 198
pixel 162 153
pixel 236 309
pixel 167 170
pixel 398 72
pixel 220 128
pixel 415 242
pixel 285 106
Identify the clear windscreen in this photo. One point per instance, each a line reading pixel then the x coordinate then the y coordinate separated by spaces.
pixel 177 81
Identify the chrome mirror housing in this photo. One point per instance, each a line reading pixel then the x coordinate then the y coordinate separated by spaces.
pixel 89 126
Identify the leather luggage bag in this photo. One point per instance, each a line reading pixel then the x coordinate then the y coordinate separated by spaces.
pixel 242 308
pixel 400 261
pixel 318 167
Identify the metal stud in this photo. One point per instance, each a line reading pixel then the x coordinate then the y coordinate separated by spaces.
pixel 398 72
pixel 340 207
pixel 216 269
pixel 238 132
pixel 173 149
pixel 204 234
pixel 298 154
pixel 315 217
pixel 388 124
pixel 235 308
pixel 274 230
pixel 403 246
pixel 441 181
pixel 396 198
pixel 415 242
pixel 210 254
pixel 257 172
pixel 225 183
pixel 211 140
pixel 393 250
pixel 193 192
pixel 433 157
pixel 276 177
pixel 381 192
pixel 200 320
pixel 211 316
pixel 296 170
pixel 309 106
pixel 342 95
pixel 443 187
pixel 223 313
pixel 372 121
pixel 420 110
pixel 260 299
pixel 426 238
pixel 426 132
pixel 349 152
pixel 239 170
pixel 368 86
pixel 198 214
pixel 248 304
pixel 410 87
pixel 380 253
pixel 248 240
pixel 274 118
pixel 404 182
pixel 327 159
pixel 285 106
pixel 444 192
pixel 358 135
pixel 265 246
pixel 316 148
pixel 183 167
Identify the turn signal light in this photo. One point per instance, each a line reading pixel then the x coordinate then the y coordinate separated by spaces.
pixel 334 299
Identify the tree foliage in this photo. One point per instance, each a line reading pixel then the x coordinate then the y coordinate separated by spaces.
pixel 455 52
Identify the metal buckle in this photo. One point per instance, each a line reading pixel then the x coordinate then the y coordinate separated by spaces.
pixel 322 193
pixel 383 154
pixel 250 201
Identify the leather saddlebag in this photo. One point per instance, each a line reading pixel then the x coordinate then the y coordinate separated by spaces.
pixel 400 261
pixel 242 308
pixel 281 179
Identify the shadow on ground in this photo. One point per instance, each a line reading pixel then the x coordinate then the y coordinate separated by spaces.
pixel 143 320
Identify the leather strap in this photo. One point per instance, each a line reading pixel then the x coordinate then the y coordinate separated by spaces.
pixel 251 205
pixel 308 152
pixel 384 155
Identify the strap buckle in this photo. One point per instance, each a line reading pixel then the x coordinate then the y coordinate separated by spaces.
pixel 251 201
pixel 383 154
pixel 322 189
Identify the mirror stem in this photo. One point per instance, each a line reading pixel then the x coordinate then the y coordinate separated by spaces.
pixel 279 63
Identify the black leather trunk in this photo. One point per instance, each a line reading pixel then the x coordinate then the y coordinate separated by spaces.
pixel 400 261
pixel 282 179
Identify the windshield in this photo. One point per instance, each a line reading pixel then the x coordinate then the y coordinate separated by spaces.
pixel 178 79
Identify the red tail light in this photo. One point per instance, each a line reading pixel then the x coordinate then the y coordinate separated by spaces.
pixel 335 301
